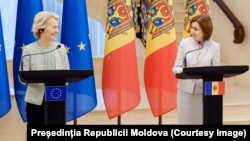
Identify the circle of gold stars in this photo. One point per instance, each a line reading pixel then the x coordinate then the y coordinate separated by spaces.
pixel 54 96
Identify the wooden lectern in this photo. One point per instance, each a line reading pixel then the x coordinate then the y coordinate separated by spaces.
pixel 212 105
pixel 55 111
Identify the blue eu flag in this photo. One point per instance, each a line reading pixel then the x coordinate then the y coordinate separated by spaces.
pixel 26 10
pixel 81 96
pixel 5 103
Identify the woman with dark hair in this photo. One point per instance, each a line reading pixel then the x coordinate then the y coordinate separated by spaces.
pixel 195 51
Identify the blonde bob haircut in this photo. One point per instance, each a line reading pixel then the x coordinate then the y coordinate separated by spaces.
pixel 40 20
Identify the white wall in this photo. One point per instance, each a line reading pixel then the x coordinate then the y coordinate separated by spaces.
pixel 233 54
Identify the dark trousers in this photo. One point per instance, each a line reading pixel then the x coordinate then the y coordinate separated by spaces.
pixel 35 114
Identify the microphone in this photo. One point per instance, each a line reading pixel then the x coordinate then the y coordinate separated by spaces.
pixel 57 47
pixel 185 59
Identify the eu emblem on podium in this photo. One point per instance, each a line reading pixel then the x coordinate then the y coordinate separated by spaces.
pixel 55 93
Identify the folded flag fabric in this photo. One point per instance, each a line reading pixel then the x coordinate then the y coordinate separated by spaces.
pixel 5 101
pixel 161 47
pixel 26 10
pixel 120 78
pixel 193 8
pixel 81 96
pixel 214 88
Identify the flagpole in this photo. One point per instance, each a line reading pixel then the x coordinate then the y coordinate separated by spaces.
pixel 75 121
pixel 119 120
pixel 160 120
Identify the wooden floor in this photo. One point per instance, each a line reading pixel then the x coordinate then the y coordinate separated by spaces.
pixel 236 111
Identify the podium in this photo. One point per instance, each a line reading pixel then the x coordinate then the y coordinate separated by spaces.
pixel 212 105
pixel 55 110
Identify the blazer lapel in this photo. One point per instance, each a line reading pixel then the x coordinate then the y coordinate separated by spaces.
pixel 202 53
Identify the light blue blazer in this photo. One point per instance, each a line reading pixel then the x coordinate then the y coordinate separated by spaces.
pixel 35 91
pixel 208 56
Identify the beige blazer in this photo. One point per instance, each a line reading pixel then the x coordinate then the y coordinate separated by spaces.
pixel 208 56
pixel 35 91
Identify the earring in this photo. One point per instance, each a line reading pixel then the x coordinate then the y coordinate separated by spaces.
pixel 41 30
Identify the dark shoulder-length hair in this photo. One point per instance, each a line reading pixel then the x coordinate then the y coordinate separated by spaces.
pixel 205 23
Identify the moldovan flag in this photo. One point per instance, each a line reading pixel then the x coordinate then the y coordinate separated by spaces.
pixel 161 48
pixel 120 82
pixel 193 8
pixel 5 103
pixel 214 88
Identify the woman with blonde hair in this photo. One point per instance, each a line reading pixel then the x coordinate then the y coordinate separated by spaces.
pixel 50 55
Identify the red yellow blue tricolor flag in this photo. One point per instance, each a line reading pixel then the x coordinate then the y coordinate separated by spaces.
pixel 214 88
pixel 193 8
pixel 120 82
pixel 161 47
